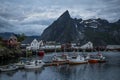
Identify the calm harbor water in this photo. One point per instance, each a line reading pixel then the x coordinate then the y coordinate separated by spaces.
pixel 100 71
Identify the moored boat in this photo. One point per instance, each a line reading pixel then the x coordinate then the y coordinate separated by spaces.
pixel 35 64
pixel 99 58
pixel 61 58
pixel 77 60
pixel 8 68
pixel 20 64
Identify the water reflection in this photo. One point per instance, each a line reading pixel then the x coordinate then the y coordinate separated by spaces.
pixel 7 75
pixel 102 71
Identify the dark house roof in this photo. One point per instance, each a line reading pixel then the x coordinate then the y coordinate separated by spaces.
pixel 29 39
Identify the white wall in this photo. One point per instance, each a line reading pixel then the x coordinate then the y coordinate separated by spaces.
pixel 88 45
pixel 34 45
pixel 51 47
pixel 113 46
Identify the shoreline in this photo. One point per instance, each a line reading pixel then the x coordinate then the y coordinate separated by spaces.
pixel 14 55
pixel 16 59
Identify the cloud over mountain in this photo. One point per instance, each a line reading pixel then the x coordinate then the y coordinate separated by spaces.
pixel 34 14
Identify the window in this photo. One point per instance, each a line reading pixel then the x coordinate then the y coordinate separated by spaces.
pixel 31 44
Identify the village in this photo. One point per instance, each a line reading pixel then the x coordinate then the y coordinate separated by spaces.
pixel 36 47
pixel 37 44
pixel 31 46
pixel 59 39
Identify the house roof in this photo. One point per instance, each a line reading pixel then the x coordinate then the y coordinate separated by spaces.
pixel 29 39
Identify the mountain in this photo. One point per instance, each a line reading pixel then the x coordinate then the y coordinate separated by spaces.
pixel 62 29
pixel 66 29
pixel 6 35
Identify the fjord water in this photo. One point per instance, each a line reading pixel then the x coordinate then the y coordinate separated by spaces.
pixel 100 71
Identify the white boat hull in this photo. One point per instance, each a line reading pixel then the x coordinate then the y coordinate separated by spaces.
pixel 8 69
pixel 33 66
pixel 77 60
pixel 20 65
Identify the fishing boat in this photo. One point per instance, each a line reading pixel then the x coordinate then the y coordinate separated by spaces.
pixel 20 64
pixel 35 64
pixel 99 58
pixel 8 68
pixel 77 60
pixel 60 58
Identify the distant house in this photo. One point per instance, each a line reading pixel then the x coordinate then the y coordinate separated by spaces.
pixel 88 45
pixel 32 43
pixel 41 43
pixel 10 41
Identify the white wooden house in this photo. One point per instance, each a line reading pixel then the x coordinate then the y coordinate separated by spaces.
pixel 88 45
pixel 41 43
pixel 34 45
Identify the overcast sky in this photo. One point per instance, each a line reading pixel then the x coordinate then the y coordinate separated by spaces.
pixel 33 16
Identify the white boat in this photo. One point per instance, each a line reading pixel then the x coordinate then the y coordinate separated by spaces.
pixel 20 64
pixel 8 68
pixel 77 60
pixel 61 58
pixel 35 64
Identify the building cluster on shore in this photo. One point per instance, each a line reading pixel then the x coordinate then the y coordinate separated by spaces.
pixel 12 48
pixel 37 44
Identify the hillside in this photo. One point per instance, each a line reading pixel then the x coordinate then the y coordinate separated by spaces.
pixel 67 29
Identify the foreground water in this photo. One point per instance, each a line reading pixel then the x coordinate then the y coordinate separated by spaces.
pixel 102 71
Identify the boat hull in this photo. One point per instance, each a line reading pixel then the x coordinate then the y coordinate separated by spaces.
pixel 93 61
pixel 8 69
pixel 20 65
pixel 96 61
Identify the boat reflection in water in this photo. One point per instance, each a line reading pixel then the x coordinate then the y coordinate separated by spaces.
pixel 99 71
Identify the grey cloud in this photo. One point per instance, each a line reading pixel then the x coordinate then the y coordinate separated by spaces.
pixel 29 14
pixel 39 22
pixel 30 29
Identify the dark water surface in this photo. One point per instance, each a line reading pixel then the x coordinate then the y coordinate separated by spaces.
pixel 100 71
